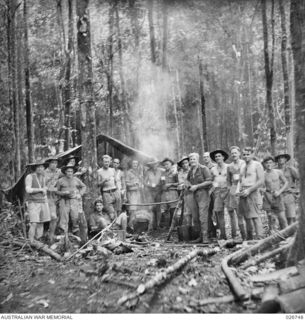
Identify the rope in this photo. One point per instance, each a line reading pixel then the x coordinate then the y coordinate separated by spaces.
pixel 150 204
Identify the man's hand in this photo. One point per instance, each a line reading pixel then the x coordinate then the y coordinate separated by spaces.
pixel 276 193
pixel 245 193
pixel 44 191
pixel 193 188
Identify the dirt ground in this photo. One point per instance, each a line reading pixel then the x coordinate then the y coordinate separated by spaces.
pixel 31 282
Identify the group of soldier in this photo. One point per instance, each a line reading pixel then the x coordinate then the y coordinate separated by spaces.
pixel 242 188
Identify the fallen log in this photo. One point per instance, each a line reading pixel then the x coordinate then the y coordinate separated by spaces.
pixel 93 238
pixel 275 276
pixel 292 302
pixel 265 256
pixel 240 293
pixel 291 284
pixel 244 254
pixel 161 277
pixel 39 246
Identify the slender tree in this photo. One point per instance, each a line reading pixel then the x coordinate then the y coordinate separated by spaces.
pixel 67 92
pixel 86 97
pixel 165 33
pixel 150 10
pixel 297 27
pixel 269 62
pixel 203 107
pixel 284 57
pixel 28 100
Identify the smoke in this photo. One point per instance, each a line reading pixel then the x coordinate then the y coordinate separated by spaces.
pixel 150 112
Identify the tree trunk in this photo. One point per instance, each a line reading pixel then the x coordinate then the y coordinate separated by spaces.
pixel 28 102
pixel 12 77
pixel 86 99
pixel 110 67
pixel 124 111
pixel 289 141
pixel 269 71
pixel 20 85
pixel 165 34
pixel 67 92
pixel 153 55
pixel 297 27
pixel 203 110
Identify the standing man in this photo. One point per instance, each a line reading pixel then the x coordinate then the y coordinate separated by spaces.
pixel 119 175
pixel 152 189
pixel 275 183
pixel 184 166
pixel 169 183
pixel 134 186
pixel 52 174
pixel 199 181
pixel 37 202
pixel 107 182
pixel 252 178
pixel 212 230
pixel 219 177
pixel 70 190
pixel 292 176
pixel 233 180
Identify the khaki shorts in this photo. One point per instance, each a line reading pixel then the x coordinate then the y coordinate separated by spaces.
pixel 289 204
pixel 38 212
pixel 250 207
pixel 52 208
pixel 220 199
pixel 271 203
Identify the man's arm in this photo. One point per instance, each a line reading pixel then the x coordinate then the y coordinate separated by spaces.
pixel 260 178
pixel 81 186
pixel 294 173
pixel 284 183
pixel 229 177
pixel 28 186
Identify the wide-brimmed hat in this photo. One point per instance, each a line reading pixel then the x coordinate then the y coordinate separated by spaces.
pixel 167 159
pixel 64 168
pixel 213 154
pixel 51 159
pixel 179 163
pixel 70 157
pixel 152 163
pixel 38 162
pixel 282 155
pixel 267 159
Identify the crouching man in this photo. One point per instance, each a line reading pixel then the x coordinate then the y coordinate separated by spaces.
pixel 99 219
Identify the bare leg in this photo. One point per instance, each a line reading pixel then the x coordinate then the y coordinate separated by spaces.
pixel 282 220
pixel 233 223
pixel 32 231
pixel 52 227
pixel 39 230
pixel 222 227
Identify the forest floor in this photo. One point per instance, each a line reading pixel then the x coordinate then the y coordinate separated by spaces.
pixel 32 282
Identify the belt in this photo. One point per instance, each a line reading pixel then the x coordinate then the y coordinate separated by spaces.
pixel 109 191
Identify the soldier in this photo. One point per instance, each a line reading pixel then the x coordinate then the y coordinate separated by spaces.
pixel 199 181
pixel 107 182
pixel 169 185
pixel 120 180
pixel 52 174
pixel 275 183
pixel 37 202
pixel 70 190
pixel 184 166
pixel 98 219
pixel 292 176
pixel 219 177
pixel 252 178
pixel 134 186
pixel 152 189
pixel 211 227
pixel 233 180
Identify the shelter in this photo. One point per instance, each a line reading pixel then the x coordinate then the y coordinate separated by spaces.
pixel 105 143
